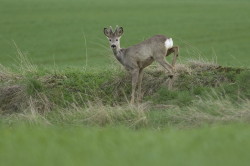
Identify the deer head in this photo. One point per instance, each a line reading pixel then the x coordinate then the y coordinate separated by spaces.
pixel 114 36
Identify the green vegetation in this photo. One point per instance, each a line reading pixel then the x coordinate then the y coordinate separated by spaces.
pixel 70 105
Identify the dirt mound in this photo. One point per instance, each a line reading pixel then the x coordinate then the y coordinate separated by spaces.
pixel 50 90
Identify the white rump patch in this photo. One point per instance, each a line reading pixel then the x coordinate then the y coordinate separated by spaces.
pixel 169 43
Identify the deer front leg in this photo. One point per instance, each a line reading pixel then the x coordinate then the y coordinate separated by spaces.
pixel 139 85
pixel 135 74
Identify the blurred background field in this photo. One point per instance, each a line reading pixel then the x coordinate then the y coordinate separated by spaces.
pixel 53 32
pixel 217 145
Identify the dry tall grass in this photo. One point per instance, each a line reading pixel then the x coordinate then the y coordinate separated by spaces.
pixel 201 112
pixel 210 111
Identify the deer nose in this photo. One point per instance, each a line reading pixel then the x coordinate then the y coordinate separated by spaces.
pixel 113 46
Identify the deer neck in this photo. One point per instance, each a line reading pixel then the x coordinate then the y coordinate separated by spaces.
pixel 116 51
pixel 119 52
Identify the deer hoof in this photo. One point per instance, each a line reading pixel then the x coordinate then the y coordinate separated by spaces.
pixel 171 76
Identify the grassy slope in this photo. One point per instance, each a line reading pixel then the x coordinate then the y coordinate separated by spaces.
pixel 72 136
pixel 51 31
pixel 199 94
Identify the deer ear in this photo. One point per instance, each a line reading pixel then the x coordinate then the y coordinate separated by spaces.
pixel 119 31
pixel 106 32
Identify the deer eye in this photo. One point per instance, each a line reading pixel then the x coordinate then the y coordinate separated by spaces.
pixel 116 40
pixel 109 39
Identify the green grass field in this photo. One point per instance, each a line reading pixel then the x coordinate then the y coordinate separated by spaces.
pixel 68 103
pixel 52 31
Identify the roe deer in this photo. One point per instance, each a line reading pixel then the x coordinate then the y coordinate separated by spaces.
pixel 139 56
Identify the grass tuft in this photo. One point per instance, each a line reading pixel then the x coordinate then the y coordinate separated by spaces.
pixel 203 112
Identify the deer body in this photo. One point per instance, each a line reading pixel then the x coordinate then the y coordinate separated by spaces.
pixel 139 56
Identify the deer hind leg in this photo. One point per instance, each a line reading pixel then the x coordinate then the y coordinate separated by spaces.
pixel 162 61
pixel 174 50
pixel 135 74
